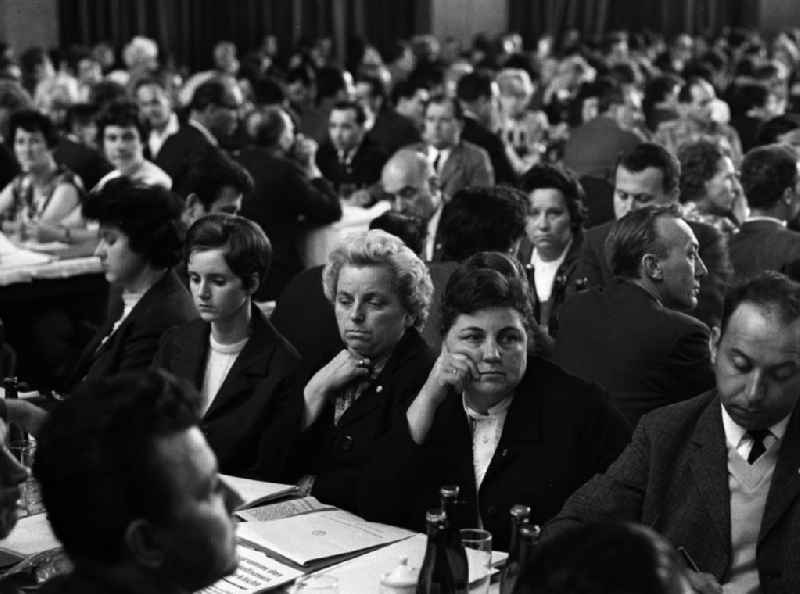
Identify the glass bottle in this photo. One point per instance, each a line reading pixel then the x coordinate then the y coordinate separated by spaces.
pixel 520 516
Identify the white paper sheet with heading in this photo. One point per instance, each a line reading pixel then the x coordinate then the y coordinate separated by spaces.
pixel 320 535
pixel 256 573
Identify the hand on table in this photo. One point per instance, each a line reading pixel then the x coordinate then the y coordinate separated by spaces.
pixel 704 583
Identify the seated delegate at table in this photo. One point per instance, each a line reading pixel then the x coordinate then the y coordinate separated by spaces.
pixel 505 428
pixel 122 135
pixel 131 489
pixel 244 368
pixel 380 292
pixel 140 240
pixel 41 202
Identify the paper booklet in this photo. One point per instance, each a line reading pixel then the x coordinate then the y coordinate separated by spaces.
pixel 257 492
pixel 312 537
pixel 283 509
pixel 256 573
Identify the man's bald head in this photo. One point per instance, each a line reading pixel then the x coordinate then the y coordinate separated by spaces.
pixel 409 178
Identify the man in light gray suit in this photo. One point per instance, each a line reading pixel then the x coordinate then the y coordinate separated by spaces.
pixel 456 162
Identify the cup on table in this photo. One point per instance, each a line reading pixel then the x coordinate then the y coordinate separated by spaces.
pixel 478 544
pixel 30 497
pixel 316 584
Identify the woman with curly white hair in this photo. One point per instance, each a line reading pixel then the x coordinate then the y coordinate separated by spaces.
pixel 381 292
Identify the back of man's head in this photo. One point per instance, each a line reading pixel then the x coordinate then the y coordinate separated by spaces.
pixel 633 236
pixel 114 499
pixel 474 86
pixel 769 175
pixel 482 219
pixel 601 558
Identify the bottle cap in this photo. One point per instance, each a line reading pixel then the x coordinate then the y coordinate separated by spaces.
pixel 450 491
pixel 530 532
pixel 435 514
pixel 520 511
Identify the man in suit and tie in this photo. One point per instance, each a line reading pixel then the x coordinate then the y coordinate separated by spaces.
pixel 720 474
pixel 628 336
pixel 457 163
pixel 649 176
pixel 770 181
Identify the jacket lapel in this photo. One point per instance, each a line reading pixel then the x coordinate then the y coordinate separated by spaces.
pixel 709 465
pixel 189 360
pixel 785 485
pixel 448 168
pixel 250 366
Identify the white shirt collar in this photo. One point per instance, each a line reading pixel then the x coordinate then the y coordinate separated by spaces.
pixel 735 433
pixel 157 137
pixel 430 239
pixel 501 408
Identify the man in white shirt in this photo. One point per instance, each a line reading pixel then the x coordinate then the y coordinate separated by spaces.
pixel 720 474
pixel 156 109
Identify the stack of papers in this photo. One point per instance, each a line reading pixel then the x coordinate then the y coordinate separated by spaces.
pixel 284 509
pixel 256 573
pixel 12 256
pixel 322 535
pixel 31 535
pixel 257 492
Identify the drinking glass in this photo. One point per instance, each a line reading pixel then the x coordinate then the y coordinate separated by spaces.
pixel 30 497
pixel 478 544
pixel 316 584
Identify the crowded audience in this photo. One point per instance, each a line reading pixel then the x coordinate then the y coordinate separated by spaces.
pixel 558 277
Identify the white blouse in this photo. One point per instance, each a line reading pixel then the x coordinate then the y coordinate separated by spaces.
pixel 486 432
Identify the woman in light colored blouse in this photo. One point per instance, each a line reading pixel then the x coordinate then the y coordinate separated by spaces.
pixel 43 201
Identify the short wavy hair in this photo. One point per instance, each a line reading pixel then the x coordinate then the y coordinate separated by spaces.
pixel 412 281
pixel 485 280
pixel 149 215
pixel 545 176
pixel 699 163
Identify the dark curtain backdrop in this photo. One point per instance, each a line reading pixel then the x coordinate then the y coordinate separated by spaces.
pixel 592 18
pixel 188 29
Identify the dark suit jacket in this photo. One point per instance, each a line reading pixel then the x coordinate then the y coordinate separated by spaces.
pixel 595 147
pixel 646 355
pixel 393 131
pixel 341 456
pixel 363 171
pixel 466 165
pixel 762 245
pixel 673 477
pixel 180 150
pixel 477 133
pixel 559 431
pixel 86 162
pixel 135 342
pixel 285 203
pixel 255 416
pixel 713 250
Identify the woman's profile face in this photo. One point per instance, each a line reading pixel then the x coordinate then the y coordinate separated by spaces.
pixel 121 265
pixel 30 148
pixel 496 340
pixel 370 316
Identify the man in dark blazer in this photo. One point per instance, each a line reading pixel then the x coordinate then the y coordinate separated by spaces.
pixel 255 416
pixel 770 182
pixel 457 163
pixel 348 158
pixel 476 94
pixel 627 336
pixel 718 474
pixel 649 175
pixel 290 194
pixel 212 115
